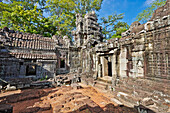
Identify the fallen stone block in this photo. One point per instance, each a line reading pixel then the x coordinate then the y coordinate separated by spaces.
pixel 31 110
pixel 1 87
pixel 79 103
pixel 76 86
pixel 83 107
pixel 143 109
pixel 67 108
pixel 116 101
pixel 57 108
pixel 45 106
pixel 147 101
pixel 10 88
pixel 6 108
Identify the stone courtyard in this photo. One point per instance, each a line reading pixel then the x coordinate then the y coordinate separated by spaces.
pixel 121 75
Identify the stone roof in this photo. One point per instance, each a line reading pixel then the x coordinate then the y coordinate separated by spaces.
pixel 161 11
pixel 29 41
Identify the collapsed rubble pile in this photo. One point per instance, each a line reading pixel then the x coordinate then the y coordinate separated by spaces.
pixel 62 99
pixel 23 83
pixel 66 79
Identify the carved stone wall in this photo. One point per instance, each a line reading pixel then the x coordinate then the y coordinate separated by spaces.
pixel 143 50
pixel 86 28
pixel 31 55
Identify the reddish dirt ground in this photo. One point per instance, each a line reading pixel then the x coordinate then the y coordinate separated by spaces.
pixel 63 99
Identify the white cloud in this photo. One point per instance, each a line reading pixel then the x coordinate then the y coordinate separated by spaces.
pixel 148 2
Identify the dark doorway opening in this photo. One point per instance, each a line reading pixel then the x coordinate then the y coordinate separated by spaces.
pixel 110 69
pixel 62 64
pixel 30 70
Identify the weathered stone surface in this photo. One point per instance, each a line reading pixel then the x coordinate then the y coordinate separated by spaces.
pixel 147 101
pixel 10 88
pixel 142 52
pixel 5 108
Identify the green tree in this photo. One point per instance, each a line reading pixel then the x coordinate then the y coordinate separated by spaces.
pixel 27 15
pixel 146 14
pixel 30 20
pixel 112 27
pixel 29 4
pixel 119 28
pixel 63 13
pixel 14 16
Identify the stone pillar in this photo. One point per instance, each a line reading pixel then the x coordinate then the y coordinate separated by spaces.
pixel 102 65
pixel 105 67
pixel 100 70
pixel 123 62
pixel 97 66
pixel 22 70
pixel 114 72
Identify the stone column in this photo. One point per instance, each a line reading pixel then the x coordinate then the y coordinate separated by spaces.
pixel 102 65
pixel 105 67
pixel 123 62
pixel 97 66
pixel 100 70
pixel 114 73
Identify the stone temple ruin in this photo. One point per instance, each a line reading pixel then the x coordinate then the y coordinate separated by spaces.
pixel 135 66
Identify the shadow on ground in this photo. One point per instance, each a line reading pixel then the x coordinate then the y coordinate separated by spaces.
pixel 110 108
pixel 24 103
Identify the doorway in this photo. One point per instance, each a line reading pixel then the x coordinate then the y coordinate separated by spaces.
pixel 110 69
pixel 62 63
pixel 30 70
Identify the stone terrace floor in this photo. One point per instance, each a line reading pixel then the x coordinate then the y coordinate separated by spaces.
pixel 84 99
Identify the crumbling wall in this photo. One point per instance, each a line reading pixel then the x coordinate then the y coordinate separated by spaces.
pixel 23 55
pixel 158 53
pixel 143 50
pixel 157 43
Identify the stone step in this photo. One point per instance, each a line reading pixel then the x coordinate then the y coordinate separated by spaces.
pixel 129 98
pixel 101 83
pixel 152 85
pixel 126 99
pixel 100 86
pixel 133 91
pixel 114 100
pixel 141 86
pixel 124 89
pixel 141 92
pixel 105 81
pixel 125 103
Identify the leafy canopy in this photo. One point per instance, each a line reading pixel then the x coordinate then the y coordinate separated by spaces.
pixel 28 16
pixel 63 13
pixel 112 26
pixel 146 14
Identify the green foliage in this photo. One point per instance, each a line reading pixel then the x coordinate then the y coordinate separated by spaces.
pixel 146 14
pixel 15 15
pixel 27 16
pixel 29 4
pixel 119 28
pixel 44 78
pixel 112 27
pixel 63 13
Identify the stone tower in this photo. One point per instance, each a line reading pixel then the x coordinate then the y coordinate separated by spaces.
pixel 86 28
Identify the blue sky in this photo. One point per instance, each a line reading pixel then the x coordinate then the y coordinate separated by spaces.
pixel 130 8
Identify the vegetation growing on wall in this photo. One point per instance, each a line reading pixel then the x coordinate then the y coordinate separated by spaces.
pixel 28 15
pixel 146 14
pixel 57 17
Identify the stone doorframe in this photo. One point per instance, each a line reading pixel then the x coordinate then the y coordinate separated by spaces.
pixel 105 65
